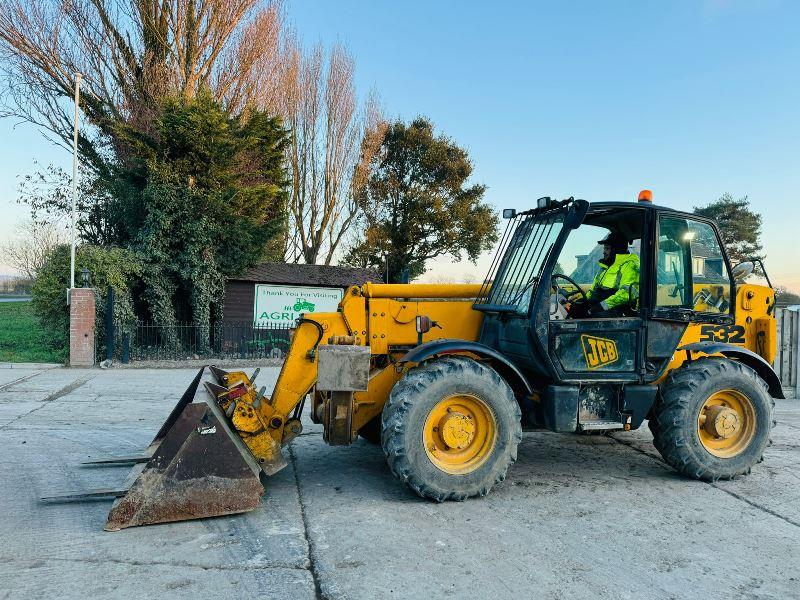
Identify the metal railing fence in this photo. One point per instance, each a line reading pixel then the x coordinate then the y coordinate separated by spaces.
pixel 139 341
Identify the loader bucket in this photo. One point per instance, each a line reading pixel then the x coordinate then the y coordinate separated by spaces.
pixel 198 471
pixel 197 466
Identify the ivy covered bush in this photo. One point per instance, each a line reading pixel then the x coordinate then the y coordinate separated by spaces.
pixel 205 198
pixel 189 197
pixel 118 268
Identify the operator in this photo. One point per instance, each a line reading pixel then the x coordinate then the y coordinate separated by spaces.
pixel 618 277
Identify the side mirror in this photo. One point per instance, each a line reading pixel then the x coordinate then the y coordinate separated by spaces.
pixel 509 213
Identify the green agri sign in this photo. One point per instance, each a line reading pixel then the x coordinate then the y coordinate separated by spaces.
pixel 282 304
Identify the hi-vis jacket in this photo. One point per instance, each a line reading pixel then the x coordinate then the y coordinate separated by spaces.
pixel 613 283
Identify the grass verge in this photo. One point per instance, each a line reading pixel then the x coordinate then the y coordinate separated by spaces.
pixel 22 337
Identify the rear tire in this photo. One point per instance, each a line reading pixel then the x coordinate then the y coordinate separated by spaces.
pixel 451 428
pixel 712 419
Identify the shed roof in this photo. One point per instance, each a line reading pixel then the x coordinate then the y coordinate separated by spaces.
pixel 311 275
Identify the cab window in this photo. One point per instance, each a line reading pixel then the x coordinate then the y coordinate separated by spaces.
pixel 582 252
pixel 691 271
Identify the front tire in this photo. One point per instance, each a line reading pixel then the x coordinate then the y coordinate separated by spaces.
pixel 451 428
pixel 712 419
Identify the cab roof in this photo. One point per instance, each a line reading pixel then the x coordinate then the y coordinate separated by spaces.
pixel 644 205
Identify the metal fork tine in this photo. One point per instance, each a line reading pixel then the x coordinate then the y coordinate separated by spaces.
pixel 118 460
pixel 95 493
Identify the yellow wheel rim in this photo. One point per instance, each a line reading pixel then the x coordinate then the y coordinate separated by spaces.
pixel 726 423
pixel 459 434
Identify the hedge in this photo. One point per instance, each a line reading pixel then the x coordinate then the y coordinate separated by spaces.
pixel 115 267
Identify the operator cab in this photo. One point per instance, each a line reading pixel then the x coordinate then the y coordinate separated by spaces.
pixel 550 254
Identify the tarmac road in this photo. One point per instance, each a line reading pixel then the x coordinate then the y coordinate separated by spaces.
pixel 578 517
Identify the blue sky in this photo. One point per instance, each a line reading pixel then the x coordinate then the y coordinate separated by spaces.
pixel 591 99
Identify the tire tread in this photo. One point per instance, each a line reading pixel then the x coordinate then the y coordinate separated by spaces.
pixel 401 399
pixel 676 399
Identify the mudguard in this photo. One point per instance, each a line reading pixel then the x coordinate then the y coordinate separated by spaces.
pixel 500 363
pixel 748 357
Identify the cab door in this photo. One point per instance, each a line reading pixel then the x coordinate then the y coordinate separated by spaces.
pixel 597 349
pixel 602 349
pixel 692 283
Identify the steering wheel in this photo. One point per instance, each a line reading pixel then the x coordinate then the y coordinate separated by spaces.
pixel 570 280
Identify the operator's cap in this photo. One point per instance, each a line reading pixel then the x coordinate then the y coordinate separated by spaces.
pixel 616 240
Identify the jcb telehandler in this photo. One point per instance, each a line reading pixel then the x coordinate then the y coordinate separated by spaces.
pixel 445 377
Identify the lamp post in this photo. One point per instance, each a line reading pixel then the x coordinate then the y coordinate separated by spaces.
pixel 85 277
pixel 78 78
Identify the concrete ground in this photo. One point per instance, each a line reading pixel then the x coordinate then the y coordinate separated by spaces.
pixel 578 517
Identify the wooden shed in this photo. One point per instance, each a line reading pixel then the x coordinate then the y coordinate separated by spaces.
pixel 239 303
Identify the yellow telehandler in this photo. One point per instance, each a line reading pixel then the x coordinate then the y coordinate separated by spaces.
pixel 445 377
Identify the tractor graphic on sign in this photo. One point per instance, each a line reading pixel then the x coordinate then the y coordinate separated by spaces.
pixel 303 305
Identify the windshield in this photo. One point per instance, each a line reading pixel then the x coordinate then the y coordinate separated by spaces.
pixel 524 258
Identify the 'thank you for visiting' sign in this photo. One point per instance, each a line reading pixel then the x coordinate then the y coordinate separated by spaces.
pixel 282 304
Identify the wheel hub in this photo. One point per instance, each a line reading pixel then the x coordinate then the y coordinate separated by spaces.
pixel 722 422
pixel 457 430
pixel 726 423
pixel 459 433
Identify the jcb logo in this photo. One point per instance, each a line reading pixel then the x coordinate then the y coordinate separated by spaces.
pixel 599 352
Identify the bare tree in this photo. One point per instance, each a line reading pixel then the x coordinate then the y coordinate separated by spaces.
pixel 26 253
pixel 317 99
pixel 132 52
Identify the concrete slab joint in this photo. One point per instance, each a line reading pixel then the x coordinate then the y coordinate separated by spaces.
pixel 578 516
pixel 81 327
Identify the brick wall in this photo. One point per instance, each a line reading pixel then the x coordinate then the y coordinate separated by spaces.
pixel 81 327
